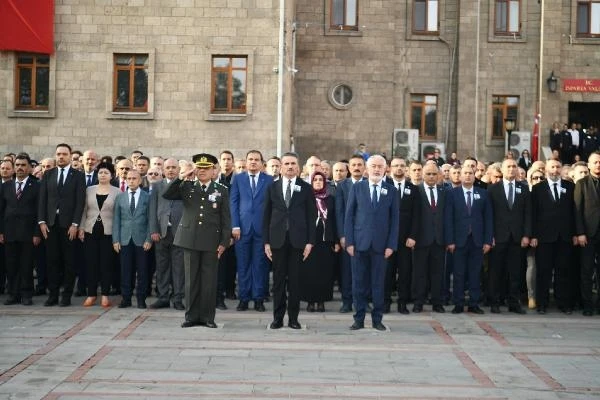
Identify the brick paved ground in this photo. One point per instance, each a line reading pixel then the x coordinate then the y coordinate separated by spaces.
pixel 89 353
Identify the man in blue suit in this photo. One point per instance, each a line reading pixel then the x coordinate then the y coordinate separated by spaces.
pixel 371 231
pixel 468 231
pixel 131 238
pixel 247 199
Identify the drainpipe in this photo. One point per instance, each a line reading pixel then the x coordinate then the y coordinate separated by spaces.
pixel 476 124
pixel 280 77
pixel 540 83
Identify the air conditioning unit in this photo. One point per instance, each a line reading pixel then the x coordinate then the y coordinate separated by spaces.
pixel 519 141
pixel 405 143
pixel 428 148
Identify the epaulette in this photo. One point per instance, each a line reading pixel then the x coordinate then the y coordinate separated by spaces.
pixel 220 184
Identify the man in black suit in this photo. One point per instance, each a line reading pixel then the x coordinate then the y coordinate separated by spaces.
pixel 587 227
pixel 19 231
pixel 511 204
pixel 401 261
pixel 60 206
pixel 471 162
pixel 228 261
pixel 289 234
pixel 429 248
pixel 553 225
pixel 90 160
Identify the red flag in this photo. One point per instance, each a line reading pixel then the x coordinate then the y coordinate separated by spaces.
pixel 536 137
pixel 27 25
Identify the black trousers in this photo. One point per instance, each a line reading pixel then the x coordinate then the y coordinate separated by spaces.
pixel 286 281
pixel 505 258
pixel 398 275
pixel 19 268
pixel 556 257
pixel 99 263
pixel 59 256
pixel 588 265
pixel 428 267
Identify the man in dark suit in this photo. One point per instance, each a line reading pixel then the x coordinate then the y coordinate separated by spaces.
pixel 164 220
pixel 247 199
pixel 227 262
pixel 19 231
pixel 468 232
pixel 289 234
pixel 371 232
pixel 429 249
pixel 471 162
pixel 553 225
pixel 399 271
pixel 61 201
pixel 90 160
pixel 356 165
pixel 204 233
pixel 587 228
pixel 511 204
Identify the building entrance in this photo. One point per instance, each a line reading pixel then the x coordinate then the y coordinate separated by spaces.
pixel 588 114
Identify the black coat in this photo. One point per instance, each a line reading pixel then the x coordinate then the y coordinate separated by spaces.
pixel 18 218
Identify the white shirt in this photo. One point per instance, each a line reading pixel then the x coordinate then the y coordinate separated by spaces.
pixel 375 186
pixel 285 185
pixel 551 185
pixel 65 173
pixel 23 183
pixel 471 190
pixel 505 182
pixel 136 196
pixel 428 192
pixel 256 179
pixel 575 137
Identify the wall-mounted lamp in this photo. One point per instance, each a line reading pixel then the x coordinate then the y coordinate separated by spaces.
pixel 552 83
pixel 509 125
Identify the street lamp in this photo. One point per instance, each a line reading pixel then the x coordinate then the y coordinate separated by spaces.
pixel 509 125
pixel 552 83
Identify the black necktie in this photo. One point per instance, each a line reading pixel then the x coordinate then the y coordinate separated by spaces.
pixel 432 196
pixel 253 184
pixel 61 179
pixel 132 203
pixel 469 204
pixel 203 188
pixel 511 195
pixel 288 194
pixel 19 190
pixel 374 196
pixel 556 198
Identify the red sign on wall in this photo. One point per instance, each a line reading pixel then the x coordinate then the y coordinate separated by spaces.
pixel 581 85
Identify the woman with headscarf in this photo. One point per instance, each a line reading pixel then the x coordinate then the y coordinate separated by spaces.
pixel 316 277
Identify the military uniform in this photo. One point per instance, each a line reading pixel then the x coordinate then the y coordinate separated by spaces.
pixel 205 224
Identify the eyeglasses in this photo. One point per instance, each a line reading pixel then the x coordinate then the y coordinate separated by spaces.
pixel 153 173
pixel 537 178
pixel 124 168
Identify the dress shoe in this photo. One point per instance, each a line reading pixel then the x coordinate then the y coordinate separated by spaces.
pixel 160 304
pixel 458 310
pixel 276 324
pixel 495 309
pixel 52 301
pixel 438 309
pixel 357 325
pixel 346 308
pixel 26 301
pixel 531 304
pixel 541 310
pixel 310 307
pixel 587 312
pixel 64 302
pixel 125 303
pixel 189 324
pixel 210 324
pixel 242 306
pixel 11 301
pixel 259 306
pixel 105 302
pixel 141 304
pixel 180 307
pixel 475 310
pixel 90 301
pixel 379 326
pixel 417 308
pixel 566 310
pixel 220 305
pixel 402 308
pixel 294 325
pixel 320 307
pixel 517 309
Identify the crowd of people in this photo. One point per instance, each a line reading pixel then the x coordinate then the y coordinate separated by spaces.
pixel 383 232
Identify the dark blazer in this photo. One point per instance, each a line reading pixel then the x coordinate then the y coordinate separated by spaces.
pixel 300 217
pixel 94 178
pixel 163 211
pixel 341 200
pixel 409 211
pixel 525 164
pixel 512 223
pixel 553 220
pixel 457 220
pixel 372 227
pixel 430 222
pixel 247 209
pixel 555 140
pixel 70 200
pixel 18 220
pixel 330 232
pixel 587 206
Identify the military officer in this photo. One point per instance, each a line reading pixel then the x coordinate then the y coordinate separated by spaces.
pixel 203 233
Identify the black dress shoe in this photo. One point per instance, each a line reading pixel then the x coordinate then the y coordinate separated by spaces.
pixel 242 306
pixel 294 325
pixel 310 307
pixel 11 301
pixel 438 309
pixel 495 309
pixel 475 310
pixel 379 326
pixel 52 301
pixel 125 303
pixel 160 304
pixel 141 304
pixel 189 324
pixel 276 324
pixel 517 309
pixel 26 301
pixel 356 326
pixel 417 308
pixel 180 307
pixel 346 308
pixel 221 305
pixel 458 310
pixel 402 308
pixel 587 312
pixel 259 306
pixel 210 324
pixel 64 302
pixel 320 307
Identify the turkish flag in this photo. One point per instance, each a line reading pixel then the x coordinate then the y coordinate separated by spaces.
pixel 27 25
